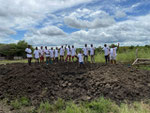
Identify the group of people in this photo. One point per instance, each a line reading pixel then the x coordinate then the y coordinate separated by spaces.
pixel 58 54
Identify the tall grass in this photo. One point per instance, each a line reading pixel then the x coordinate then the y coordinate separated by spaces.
pixel 126 56
pixel 100 105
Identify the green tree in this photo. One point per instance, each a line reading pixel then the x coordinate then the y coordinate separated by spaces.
pixel 11 50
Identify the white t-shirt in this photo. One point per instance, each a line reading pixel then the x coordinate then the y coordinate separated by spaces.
pixel 80 56
pixel 56 53
pixel 106 51
pixel 47 53
pixel 52 53
pixel 29 52
pixel 61 51
pixel 85 51
pixel 68 51
pixel 92 49
pixel 36 54
pixel 113 51
pixel 41 52
pixel 73 51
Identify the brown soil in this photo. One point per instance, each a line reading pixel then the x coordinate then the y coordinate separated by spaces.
pixel 67 81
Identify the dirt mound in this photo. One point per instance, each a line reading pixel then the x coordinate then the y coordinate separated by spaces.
pixel 66 81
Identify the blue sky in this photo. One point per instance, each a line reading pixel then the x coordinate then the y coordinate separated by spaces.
pixel 75 22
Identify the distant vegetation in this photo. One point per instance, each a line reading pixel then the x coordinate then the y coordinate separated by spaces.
pixel 11 50
pixel 125 53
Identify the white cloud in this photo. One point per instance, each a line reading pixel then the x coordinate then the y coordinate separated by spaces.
pixel 85 24
pixel 135 31
pixel 94 23
pixel 49 35
pixel 5 35
pixel 26 14
pixel 120 14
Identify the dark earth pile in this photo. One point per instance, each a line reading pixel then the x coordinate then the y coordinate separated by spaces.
pixel 66 81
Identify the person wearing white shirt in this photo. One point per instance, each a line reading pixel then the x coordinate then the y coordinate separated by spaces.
pixel 41 55
pixel 29 54
pixel 106 53
pixel 47 55
pixel 73 52
pixel 85 52
pixel 62 53
pixel 51 55
pixel 68 54
pixel 56 54
pixel 80 58
pixel 113 53
pixel 92 54
pixel 36 55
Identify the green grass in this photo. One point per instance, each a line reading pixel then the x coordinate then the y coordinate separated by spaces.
pixel 144 67
pixel 18 103
pixel 13 61
pixel 100 105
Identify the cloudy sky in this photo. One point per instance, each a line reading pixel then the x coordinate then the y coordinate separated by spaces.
pixel 75 22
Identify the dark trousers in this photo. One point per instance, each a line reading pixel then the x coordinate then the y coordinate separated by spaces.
pixel 85 58
pixel 56 59
pixel 107 59
pixel 29 61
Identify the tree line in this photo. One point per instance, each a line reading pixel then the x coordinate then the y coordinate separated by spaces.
pixel 11 50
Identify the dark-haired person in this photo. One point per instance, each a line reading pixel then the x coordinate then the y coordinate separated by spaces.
pixel 73 52
pixel 41 55
pixel 85 53
pixel 62 53
pixel 113 53
pixel 80 59
pixel 29 54
pixel 56 54
pixel 47 55
pixel 36 55
pixel 92 54
pixel 51 55
pixel 106 53
pixel 68 54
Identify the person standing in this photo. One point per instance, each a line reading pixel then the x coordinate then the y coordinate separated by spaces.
pixel 73 52
pixel 41 55
pixel 47 55
pixel 51 55
pixel 68 54
pixel 106 53
pixel 85 53
pixel 92 54
pixel 36 55
pixel 113 53
pixel 29 54
pixel 56 54
pixel 62 53
pixel 80 59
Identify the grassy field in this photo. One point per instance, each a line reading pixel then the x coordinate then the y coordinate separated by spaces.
pixel 13 61
pixel 100 105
